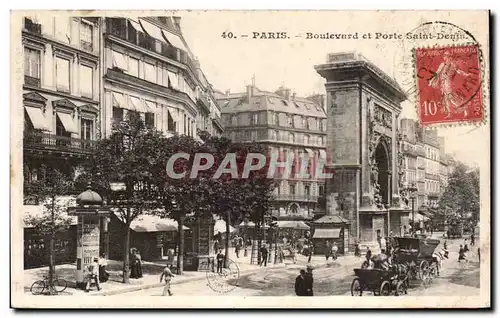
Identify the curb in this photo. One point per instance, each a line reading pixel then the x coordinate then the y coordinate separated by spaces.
pixel 155 285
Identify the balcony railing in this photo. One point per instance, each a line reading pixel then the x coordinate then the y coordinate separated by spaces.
pixel 119 26
pixel 31 81
pixel 43 140
pixel 32 27
pixel 431 176
pixel 296 197
pixel 203 101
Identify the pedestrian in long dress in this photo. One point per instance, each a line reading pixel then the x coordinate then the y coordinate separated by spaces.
pixel 134 271
pixel 328 249
pixel 264 254
pixel 168 275
pixel 139 264
pixel 472 240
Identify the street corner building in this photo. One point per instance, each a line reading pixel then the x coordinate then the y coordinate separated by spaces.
pixel 84 74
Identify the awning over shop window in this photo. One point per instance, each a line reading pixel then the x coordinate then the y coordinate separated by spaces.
pixel 135 25
pixel 175 40
pixel 322 154
pixel 118 100
pixel 326 233
pixel 298 225
pixel 151 105
pixel 37 118
pixel 150 223
pixel 310 152
pixel 68 122
pixel 137 104
pixel 119 60
pixel 174 80
pixel 152 30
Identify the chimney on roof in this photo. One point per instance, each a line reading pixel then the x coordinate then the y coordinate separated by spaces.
pixel 177 22
pixel 287 94
pixel 249 91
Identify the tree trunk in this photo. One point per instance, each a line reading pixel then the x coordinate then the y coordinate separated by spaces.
pixel 126 252
pixel 228 219
pixel 180 256
pixel 51 250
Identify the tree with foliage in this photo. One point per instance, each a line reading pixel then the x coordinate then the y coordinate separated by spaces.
pixel 48 189
pixel 461 196
pixel 238 198
pixel 121 170
pixel 182 196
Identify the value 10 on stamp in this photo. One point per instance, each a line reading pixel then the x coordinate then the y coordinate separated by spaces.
pixel 449 84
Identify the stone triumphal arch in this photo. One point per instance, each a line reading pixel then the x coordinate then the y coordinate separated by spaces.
pixel 363 105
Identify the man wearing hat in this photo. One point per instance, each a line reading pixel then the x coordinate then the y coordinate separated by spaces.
pixel 93 269
pixel 308 281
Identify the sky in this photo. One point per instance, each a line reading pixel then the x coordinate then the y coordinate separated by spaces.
pixel 230 63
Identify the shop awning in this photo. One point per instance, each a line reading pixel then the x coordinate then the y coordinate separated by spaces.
pixel 137 104
pixel 326 233
pixel 175 40
pixel 322 154
pixel 333 219
pixel 310 152
pixel 151 223
pixel 36 212
pixel 119 60
pixel 152 30
pixel 220 227
pixel 249 224
pixel 135 25
pixel 68 122
pixel 118 100
pixel 151 105
pixel 174 80
pixel 37 117
pixel 298 225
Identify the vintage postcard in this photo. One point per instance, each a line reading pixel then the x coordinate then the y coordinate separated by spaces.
pixel 250 159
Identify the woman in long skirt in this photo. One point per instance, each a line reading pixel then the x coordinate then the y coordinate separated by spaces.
pixel 138 263
pixel 133 264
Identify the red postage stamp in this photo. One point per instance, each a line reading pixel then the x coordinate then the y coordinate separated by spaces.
pixel 449 84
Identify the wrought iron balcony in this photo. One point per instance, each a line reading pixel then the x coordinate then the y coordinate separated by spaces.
pixel 47 141
pixel 32 27
pixel 203 101
pixel 296 197
pixel 31 81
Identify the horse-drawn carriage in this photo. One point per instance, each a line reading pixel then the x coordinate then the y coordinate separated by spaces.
pixel 412 259
pixel 416 254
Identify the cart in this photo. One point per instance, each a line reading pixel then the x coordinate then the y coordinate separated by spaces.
pixel 379 281
pixel 416 255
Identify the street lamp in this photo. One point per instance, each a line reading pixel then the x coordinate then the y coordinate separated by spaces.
pixel 413 193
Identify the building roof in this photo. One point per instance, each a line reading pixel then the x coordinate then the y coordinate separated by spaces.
pixel 335 219
pixel 263 100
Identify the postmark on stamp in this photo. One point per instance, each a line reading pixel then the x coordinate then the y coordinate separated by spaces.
pixel 226 279
pixel 441 67
pixel 448 83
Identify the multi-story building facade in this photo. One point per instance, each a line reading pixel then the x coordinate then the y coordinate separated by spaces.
pixel 60 91
pixel 425 163
pixel 284 123
pixel 148 68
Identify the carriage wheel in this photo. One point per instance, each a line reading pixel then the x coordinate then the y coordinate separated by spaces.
pixel 356 289
pixel 385 288
pixel 401 288
pixel 423 270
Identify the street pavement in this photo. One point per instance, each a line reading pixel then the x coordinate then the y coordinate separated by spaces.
pixel 332 278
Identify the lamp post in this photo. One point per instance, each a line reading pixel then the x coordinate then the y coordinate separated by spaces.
pixel 413 192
